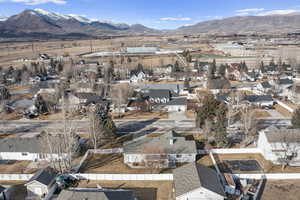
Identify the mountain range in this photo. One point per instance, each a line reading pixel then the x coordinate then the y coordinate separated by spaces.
pixel 270 24
pixel 42 23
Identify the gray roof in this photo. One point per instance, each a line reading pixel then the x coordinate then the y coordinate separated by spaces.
pixel 193 176
pixel 285 81
pixel 180 146
pixel 258 98
pixel 2 188
pixel 266 84
pixel 45 176
pixel 94 194
pixel 157 93
pixel 172 87
pixel 35 144
pixel 177 101
pixel 275 135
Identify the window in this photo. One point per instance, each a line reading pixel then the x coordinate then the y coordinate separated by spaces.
pixel 24 154
pixel 178 156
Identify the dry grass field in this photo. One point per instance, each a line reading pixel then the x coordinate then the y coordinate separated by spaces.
pixel 12 52
pixel 281 189
pixel 144 190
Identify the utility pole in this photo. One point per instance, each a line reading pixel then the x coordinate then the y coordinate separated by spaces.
pixel 91 45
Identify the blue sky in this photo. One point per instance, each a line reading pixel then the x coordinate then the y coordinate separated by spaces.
pixel 162 14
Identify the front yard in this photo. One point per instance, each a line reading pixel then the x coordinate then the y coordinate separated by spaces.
pixel 112 164
pixel 16 167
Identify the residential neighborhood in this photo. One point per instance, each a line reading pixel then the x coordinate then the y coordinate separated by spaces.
pixel 94 109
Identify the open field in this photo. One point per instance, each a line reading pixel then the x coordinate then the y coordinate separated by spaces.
pixel 11 53
pixel 144 190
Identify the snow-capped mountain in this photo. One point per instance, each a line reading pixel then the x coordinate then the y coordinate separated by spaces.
pixel 41 22
pixel 2 19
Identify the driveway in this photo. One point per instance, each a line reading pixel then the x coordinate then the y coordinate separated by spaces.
pixel 177 116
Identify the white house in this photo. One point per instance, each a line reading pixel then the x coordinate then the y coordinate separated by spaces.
pixel 41 182
pixel 163 151
pixel 280 145
pixel 197 182
pixel 138 77
pixel 178 104
pixel 159 96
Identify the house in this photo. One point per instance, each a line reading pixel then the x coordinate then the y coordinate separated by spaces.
pixel 159 96
pixel 177 89
pixel 34 148
pixel 260 100
pixel 264 86
pixel 163 151
pixel 178 104
pixel 82 99
pixel 137 76
pixel 41 182
pixel 95 194
pixel 284 83
pixel 280 145
pixel 195 181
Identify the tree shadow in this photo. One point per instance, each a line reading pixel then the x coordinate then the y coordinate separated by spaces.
pixel 134 126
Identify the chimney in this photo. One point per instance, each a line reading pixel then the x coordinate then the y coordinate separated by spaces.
pixel 172 141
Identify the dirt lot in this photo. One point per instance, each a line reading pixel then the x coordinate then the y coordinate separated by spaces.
pixel 16 167
pixel 112 164
pixel 144 190
pixel 281 190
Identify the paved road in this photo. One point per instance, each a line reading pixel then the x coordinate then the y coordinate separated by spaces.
pixel 138 127
pixel 23 127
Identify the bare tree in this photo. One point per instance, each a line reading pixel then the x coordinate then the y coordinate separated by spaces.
pixel 101 126
pixel 120 95
pixel 249 122
pixel 154 156
pixel 286 149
